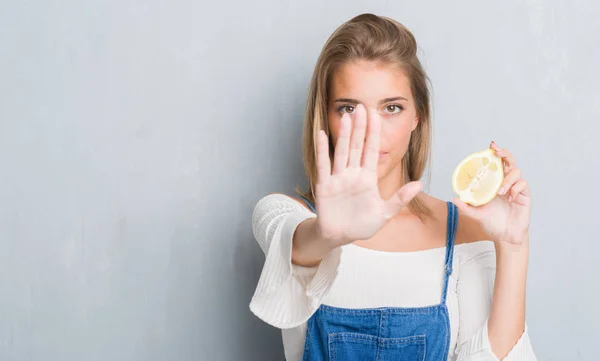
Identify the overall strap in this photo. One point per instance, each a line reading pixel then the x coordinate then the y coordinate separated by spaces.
pixel 309 204
pixel 452 224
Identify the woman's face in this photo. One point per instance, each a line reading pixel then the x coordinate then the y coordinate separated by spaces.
pixel 385 92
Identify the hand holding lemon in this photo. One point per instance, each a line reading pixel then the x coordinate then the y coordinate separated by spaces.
pixel 491 190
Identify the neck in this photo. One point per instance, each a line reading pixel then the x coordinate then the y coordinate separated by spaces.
pixel 390 183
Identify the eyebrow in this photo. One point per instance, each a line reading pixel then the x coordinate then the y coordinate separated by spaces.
pixel 354 101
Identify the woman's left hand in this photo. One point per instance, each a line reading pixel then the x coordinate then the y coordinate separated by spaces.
pixel 506 217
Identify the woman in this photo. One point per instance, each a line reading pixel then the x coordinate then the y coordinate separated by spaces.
pixel 365 266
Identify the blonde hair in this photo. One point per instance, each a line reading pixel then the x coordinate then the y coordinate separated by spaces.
pixel 372 38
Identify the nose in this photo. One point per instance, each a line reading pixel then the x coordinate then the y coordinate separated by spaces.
pixel 372 114
pixel 369 114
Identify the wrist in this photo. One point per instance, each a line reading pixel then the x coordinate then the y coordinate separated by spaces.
pixel 329 240
pixel 520 239
pixel 309 247
pixel 513 250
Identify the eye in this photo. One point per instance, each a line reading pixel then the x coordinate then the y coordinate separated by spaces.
pixel 393 109
pixel 346 109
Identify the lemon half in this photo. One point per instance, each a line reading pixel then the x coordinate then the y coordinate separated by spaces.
pixel 477 178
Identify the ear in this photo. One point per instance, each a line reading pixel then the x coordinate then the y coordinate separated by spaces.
pixel 415 123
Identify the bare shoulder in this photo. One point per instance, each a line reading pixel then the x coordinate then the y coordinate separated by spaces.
pixel 469 230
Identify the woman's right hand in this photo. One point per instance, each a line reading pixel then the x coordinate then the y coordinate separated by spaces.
pixel 348 203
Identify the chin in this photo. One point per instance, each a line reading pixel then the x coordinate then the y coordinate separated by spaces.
pixel 385 168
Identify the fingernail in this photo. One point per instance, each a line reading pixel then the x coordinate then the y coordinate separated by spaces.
pixel 510 198
pixel 502 191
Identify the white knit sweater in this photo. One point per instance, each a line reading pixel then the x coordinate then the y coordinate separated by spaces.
pixel 354 277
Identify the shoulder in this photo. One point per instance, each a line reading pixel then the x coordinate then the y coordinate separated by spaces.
pixel 468 231
pixel 474 247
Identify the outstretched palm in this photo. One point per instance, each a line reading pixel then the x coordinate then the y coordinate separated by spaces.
pixel 347 200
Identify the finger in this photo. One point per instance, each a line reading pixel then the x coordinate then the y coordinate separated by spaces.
pixel 340 160
pixel 371 152
pixel 466 209
pixel 401 198
pixel 357 140
pixel 509 180
pixel 521 187
pixel 323 161
pixel 507 157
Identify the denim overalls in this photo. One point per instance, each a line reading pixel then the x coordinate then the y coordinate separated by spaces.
pixel 386 333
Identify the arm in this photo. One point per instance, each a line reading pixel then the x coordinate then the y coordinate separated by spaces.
pixel 507 315
pixel 287 295
pixel 505 221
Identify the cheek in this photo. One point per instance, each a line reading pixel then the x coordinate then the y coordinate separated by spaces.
pixel 397 135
